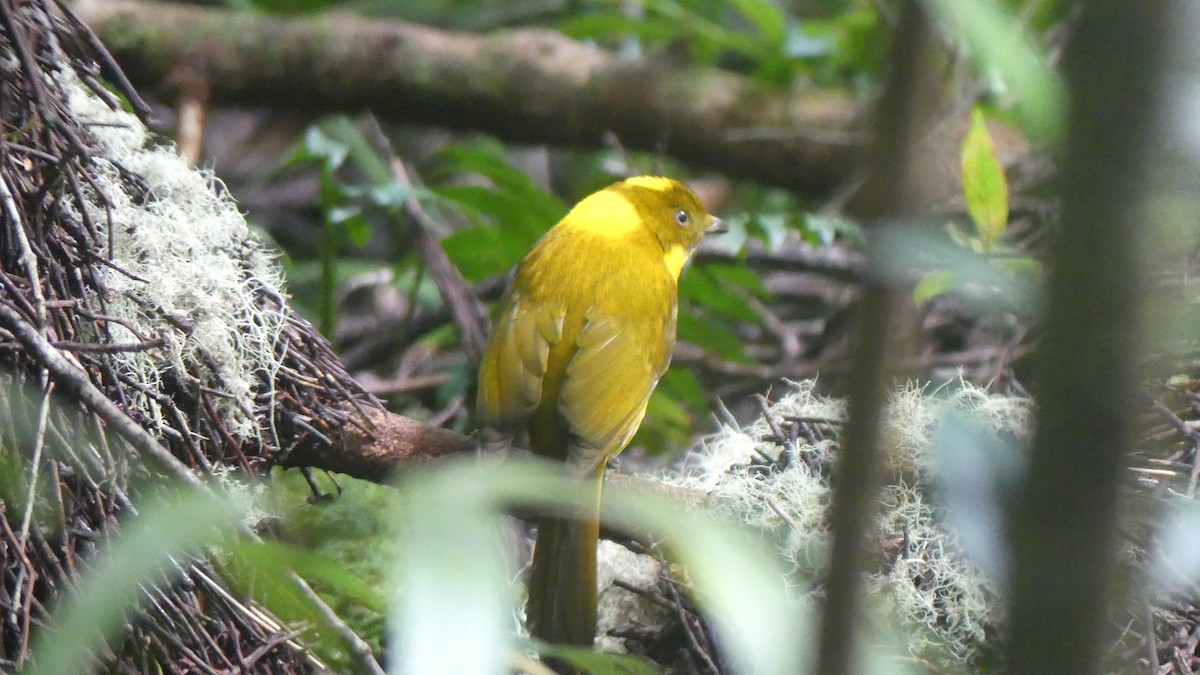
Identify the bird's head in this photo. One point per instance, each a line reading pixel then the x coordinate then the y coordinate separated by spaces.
pixel 665 207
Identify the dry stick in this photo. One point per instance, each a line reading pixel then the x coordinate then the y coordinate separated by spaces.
pixel 891 189
pixel 77 383
pixel 28 259
pixel 109 348
pixel 685 620
pixel 26 59
pixel 35 464
pixel 1190 433
pixel 466 310
pixel 1064 527
pixel 30 498
pixel 107 63
pixel 252 614
pixel 789 448
pixel 789 342
pixel 189 136
pixel 39 442
pixel 15 607
pixel 359 649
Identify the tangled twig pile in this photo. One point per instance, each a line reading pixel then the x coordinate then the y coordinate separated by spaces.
pixel 121 274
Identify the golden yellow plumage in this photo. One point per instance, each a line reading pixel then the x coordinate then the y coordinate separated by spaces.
pixel 582 335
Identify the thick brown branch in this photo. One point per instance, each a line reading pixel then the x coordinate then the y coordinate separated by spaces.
pixel 397 442
pixel 530 85
pixel 394 442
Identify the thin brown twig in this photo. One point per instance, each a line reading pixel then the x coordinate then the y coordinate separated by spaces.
pixel 359 650
pixel 109 64
pixel 1189 433
pixel 77 383
pixel 27 258
pixel 686 620
pixel 466 310
pixel 109 347
pixel 789 448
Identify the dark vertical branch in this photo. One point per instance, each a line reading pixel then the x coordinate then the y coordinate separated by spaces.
pixel 1064 520
pixel 891 190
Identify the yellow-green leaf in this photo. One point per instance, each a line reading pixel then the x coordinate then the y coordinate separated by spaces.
pixel 934 284
pixel 984 188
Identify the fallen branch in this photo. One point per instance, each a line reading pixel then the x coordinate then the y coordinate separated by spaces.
pixel 532 86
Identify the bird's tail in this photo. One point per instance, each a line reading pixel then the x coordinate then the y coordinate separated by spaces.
pixel 562 581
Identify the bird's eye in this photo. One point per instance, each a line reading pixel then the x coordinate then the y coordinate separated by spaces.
pixel 682 217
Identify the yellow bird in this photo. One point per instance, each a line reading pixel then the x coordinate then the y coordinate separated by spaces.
pixel 583 333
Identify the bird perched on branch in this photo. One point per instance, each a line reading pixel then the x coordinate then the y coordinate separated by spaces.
pixel 582 336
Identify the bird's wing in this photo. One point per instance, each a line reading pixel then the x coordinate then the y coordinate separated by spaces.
pixel 514 361
pixel 607 385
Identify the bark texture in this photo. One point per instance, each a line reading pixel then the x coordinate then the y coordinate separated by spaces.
pixel 533 86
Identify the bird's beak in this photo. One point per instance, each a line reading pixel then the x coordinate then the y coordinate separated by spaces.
pixel 717 226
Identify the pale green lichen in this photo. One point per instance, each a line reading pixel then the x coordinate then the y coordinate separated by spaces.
pixel 928 591
pixel 191 262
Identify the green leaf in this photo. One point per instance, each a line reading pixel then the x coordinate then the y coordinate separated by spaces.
pixel 681 384
pixel 706 34
pixel 497 208
pixel 344 134
pixel 392 195
pixel 771 229
pixel 984 188
pixel 701 286
pixel 483 251
pixel 728 274
pixel 278 559
pixel 451 612
pixel 766 17
pixel 673 406
pixel 1029 269
pixel 711 336
pixel 350 218
pixel 601 25
pixel 667 426
pixel 292 6
pixel 1021 283
pixel 537 205
pixel 800 45
pixel 1000 42
pixel 827 228
pixel 321 146
pixel 597 663
pixel 935 284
